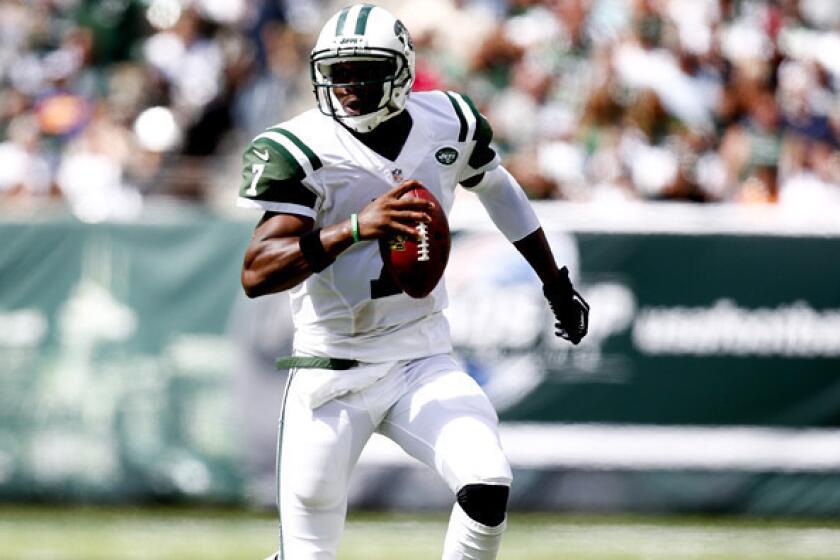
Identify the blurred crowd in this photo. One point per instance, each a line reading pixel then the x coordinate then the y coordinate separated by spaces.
pixel 106 105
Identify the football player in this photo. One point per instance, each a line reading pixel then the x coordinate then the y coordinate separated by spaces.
pixel 367 357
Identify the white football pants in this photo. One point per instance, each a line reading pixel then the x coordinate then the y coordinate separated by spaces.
pixel 431 408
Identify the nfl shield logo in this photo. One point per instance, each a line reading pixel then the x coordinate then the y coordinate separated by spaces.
pixel 396 175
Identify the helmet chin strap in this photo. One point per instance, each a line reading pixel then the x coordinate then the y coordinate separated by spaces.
pixel 366 123
pixel 369 121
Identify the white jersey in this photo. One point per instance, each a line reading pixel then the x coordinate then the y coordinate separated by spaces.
pixel 312 166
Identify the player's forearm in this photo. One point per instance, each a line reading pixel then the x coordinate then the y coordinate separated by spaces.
pixel 536 250
pixel 273 265
pixel 278 264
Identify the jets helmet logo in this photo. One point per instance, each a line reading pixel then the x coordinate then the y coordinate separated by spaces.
pixel 402 34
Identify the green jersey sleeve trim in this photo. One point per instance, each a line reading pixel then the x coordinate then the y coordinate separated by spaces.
pixel 294 147
pixel 462 133
pixel 482 134
pixel 293 170
pixel 314 160
pixel 277 207
pixel 272 174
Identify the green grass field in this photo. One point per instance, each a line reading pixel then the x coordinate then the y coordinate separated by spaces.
pixel 30 533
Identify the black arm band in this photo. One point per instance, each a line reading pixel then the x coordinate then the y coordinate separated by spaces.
pixel 314 252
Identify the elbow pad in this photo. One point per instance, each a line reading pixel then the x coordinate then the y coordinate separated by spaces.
pixel 506 204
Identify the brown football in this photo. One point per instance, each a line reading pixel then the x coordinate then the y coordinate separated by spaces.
pixel 416 266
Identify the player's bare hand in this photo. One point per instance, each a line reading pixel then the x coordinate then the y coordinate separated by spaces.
pixel 394 213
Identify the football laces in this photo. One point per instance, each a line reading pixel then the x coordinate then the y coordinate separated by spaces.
pixel 423 245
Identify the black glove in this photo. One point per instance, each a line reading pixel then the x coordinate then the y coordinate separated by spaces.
pixel 570 309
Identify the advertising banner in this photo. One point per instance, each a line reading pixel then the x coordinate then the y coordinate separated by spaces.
pixel 132 367
pixel 115 366
pixel 685 330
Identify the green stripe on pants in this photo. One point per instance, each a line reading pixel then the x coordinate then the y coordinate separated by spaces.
pixel 280 430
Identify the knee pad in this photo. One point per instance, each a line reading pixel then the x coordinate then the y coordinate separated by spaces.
pixel 484 503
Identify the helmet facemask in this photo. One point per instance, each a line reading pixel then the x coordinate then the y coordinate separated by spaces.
pixel 362 67
pixel 360 90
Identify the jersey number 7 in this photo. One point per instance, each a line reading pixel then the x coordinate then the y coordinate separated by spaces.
pixel 257 171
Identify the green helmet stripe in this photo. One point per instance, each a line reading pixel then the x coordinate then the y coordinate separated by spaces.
pixel 462 134
pixel 361 21
pixel 342 19
pixel 314 160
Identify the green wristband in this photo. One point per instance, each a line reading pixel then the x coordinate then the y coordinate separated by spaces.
pixel 354 226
